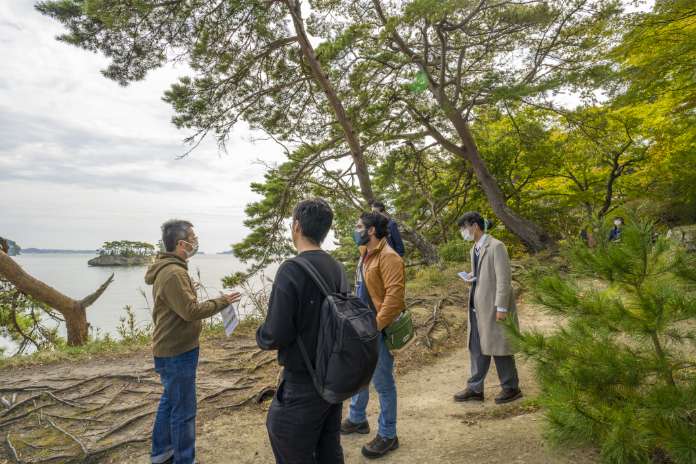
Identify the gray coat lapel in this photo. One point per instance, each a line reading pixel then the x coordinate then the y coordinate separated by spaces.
pixel 484 248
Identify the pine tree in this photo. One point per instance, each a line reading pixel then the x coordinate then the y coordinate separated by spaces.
pixel 620 371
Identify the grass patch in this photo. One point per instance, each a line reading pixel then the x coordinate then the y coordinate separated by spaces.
pixel 62 352
pixel 435 279
pixel 506 411
pixel 109 346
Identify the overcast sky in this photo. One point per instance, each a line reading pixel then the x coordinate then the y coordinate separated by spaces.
pixel 83 160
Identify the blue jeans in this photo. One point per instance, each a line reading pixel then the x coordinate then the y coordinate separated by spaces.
pixel 174 432
pixel 383 380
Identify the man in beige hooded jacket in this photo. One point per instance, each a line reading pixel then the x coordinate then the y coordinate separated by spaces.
pixel 177 316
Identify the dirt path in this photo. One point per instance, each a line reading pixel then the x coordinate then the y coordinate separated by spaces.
pixel 431 427
pixel 105 405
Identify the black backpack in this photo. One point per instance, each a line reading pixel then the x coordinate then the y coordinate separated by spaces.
pixel 347 343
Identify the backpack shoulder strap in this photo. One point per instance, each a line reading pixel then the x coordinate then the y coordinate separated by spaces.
pixel 309 268
pixel 344 288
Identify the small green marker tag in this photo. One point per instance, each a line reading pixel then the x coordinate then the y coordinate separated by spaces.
pixel 420 83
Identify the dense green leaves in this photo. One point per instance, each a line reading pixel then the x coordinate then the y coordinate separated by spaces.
pixel 456 104
pixel 618 373
pixel 127 248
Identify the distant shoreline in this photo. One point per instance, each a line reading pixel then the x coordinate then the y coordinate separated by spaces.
pixel 46 251
pixel 41 251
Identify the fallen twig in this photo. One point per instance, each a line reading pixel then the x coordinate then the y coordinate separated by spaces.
pixel 125 423
pixel 16 405
pixel 229 369
pixel 263 363
pixel 238 404
pixel 80 419
pixel 73 437
pixel 90 393
pixel 12 449
pixel 126 408
pixel 414 302
pixel 224 390
pixel 14 419
pixel 113 398
pixel 139 392
pixel 65 402
pixel 118 444
pixel 433 319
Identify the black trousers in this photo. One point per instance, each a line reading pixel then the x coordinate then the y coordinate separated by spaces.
pixel 303 428
pixel 480 363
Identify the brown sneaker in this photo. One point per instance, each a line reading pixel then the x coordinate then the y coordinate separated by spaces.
pixel 348 427
pixel 379 447
pixel 507 395
pixel 468 395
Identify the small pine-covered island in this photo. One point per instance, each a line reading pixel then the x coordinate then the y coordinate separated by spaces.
pixel 12 248
pixel 124 253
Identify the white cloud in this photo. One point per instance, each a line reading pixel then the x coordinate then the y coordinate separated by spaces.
pixel 83 160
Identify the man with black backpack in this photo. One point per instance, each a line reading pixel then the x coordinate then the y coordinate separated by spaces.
pixel 326 342
pixel 381 285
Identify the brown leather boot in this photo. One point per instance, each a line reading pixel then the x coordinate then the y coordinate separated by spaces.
pixel 468 395
pixel 348 427
pixel 380 446
pixel 507 395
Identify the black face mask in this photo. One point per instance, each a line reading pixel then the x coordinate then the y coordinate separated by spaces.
pixel 360 238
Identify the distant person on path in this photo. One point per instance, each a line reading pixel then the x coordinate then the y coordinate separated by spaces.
pixel 393 236
pixel 491 301
pixel 177 326
pixel 615 233
pixel 303 428
pixel 587 236
pixel 381 285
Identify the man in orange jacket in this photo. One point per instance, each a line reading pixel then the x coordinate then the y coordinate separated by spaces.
pixel 381 285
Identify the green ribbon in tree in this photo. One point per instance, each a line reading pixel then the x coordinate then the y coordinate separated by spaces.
pixel 420 83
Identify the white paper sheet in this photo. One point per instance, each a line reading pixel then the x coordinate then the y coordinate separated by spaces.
pixel 230 318
pixel 467 276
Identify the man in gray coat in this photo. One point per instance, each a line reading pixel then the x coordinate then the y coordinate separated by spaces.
pixel 491 301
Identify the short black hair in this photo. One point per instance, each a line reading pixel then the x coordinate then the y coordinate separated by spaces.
pixel 315 218
pixel 173 231
pixel 470 218
pixel 378 204
pixel 376 220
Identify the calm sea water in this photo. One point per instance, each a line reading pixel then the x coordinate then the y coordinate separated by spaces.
pixel 70 274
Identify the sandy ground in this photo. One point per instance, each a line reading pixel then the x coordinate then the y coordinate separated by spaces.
pixel 431 427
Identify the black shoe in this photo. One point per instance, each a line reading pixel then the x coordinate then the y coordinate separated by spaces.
pixel 347 427
pixel 379 447
pixel 468 395
pixel 508 395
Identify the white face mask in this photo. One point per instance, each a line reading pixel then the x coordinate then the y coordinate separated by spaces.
pixel 193 251
pixel 617 223
pixel 466 234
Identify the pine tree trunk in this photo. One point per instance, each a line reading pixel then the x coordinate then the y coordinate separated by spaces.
pixel 73 311
pixel 426 249
pixel 342 118
pixel 530 234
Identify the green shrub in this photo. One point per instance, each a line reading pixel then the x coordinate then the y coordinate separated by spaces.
pixel 454 251
pixel 620 373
